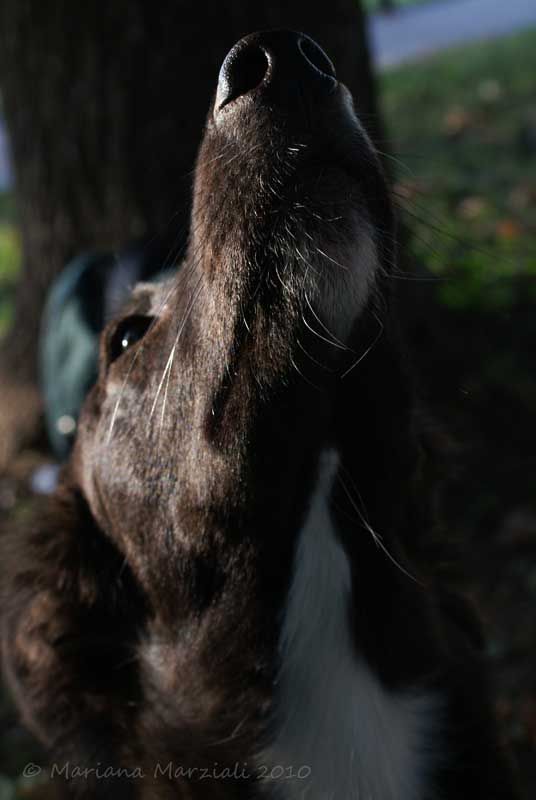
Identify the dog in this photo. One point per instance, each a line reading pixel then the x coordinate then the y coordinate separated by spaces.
pixel 233 594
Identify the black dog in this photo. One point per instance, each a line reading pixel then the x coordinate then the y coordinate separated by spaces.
pixel 233 595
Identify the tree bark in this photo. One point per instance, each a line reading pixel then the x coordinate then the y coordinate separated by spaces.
pixel 105 105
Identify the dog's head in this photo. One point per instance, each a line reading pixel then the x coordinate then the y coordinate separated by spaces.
pixel 220 388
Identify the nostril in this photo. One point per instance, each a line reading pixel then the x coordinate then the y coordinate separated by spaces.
pixel 316 57
pixel 243 70
pixel 275 67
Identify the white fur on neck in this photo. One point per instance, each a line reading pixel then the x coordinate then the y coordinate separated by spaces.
pixel 348 273
pixel 360 741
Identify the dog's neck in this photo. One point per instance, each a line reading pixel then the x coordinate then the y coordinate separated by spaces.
pixel 338 732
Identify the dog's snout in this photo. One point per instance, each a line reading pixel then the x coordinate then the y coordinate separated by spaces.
pixel 277 63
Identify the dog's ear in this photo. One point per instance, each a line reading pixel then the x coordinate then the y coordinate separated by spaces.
pixel 69 620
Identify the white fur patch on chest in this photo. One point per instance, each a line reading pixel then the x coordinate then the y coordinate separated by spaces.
pixel 333 717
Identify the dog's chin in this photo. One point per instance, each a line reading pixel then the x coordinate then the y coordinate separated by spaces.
pixel 347 275
pixel 329 233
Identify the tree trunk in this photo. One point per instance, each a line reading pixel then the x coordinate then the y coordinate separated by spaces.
pixel 105 105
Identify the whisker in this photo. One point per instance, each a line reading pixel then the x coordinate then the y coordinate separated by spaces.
pixel 314 360
pixel 333 341
pixel 164 401
pixel 137 355
pixel 378 541
pixel 300 373
pixel 169 362
pixel 333 261
pixel 179 333
pixel 369 348
pixel 164 374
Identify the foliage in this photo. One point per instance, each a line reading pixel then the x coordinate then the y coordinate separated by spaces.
pixel 10 257
pixel 464 131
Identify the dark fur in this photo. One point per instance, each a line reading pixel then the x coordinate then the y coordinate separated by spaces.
pixel 141 618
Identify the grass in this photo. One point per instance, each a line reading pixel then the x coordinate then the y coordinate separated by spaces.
pixel 463 126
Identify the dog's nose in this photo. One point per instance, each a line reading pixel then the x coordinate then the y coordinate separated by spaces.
pixel 277 63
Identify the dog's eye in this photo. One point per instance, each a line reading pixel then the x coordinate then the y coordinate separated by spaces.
pixel 129 331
